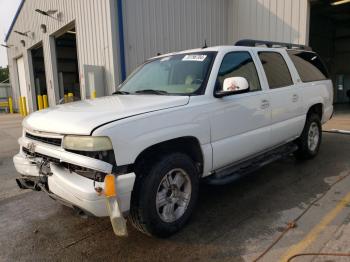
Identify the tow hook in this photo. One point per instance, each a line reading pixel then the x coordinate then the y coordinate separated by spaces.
pixel 27 184
pixel 117 220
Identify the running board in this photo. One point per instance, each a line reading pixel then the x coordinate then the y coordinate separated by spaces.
pixel 234 172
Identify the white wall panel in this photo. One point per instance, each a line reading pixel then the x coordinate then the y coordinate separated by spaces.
pixel 161 26
pixel 274 20
pixel 150 27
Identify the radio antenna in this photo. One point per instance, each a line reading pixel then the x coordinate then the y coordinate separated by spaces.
pixel 205 44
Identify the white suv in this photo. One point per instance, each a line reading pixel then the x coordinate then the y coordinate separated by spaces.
pixel 213 114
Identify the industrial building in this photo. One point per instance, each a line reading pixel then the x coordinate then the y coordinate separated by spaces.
pixel 86 48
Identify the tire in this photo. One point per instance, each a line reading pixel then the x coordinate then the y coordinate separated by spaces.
pixel 159 207
pixel 310 140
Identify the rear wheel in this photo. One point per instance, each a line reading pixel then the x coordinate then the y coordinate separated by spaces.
pixel 310 139
pixel 165 196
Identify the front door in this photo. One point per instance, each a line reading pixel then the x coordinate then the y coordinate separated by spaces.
pixel 240 124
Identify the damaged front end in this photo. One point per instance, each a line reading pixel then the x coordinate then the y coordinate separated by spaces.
pixel 75 176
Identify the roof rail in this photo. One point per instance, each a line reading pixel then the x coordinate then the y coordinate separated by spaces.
pixel 252 42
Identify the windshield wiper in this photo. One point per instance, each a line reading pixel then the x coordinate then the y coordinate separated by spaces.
pixel 119 92
pixel 151 91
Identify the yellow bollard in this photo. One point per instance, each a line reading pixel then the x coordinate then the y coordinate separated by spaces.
pixel 40 102
pixel 93 94
pixel 70 97
pixel 20 105
pixel 46 101
pixel 10 105
pixel 25 112
pixel 65 98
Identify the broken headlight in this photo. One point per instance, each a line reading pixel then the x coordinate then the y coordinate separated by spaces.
pixel 106 156
pixel 97 147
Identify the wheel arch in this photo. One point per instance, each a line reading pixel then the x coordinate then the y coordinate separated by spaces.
pixel 317 108
pixel 188 145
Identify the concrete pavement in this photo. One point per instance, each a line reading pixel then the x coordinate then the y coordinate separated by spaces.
pixel 10 131
pixel 340 120
pixel 235 222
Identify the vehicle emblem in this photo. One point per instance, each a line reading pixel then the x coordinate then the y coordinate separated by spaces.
pixel 31 148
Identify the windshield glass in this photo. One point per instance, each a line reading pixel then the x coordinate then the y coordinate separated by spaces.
pixel 182 74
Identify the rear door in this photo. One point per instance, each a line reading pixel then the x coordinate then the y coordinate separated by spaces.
pixel 285 97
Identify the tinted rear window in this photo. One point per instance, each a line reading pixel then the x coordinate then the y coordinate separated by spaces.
pixel 276 69
pixel 309 66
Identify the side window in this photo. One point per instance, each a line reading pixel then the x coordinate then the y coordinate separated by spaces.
pixel 239 64
pixel 309 66
pixel 276 69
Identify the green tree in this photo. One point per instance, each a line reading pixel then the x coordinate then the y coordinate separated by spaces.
pixel 4 74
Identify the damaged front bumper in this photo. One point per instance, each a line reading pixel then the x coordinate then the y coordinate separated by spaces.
pixel 67 186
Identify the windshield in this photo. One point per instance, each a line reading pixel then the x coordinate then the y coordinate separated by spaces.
pixel 183 74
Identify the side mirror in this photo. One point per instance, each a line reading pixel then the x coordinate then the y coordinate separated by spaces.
pixel 232 86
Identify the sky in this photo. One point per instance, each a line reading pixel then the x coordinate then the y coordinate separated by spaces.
pixel 8 10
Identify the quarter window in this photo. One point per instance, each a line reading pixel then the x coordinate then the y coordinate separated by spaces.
pixel 276 69
pixel 239 64
pixel 309 66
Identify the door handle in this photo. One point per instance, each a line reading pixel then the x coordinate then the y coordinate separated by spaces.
pixel 265 104
pixel 295 98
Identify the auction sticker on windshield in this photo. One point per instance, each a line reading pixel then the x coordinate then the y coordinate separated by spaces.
pixel 199 58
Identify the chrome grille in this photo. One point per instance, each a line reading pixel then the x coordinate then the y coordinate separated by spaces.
pixel 47 140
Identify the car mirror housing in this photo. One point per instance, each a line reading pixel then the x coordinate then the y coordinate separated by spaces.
pixel 232 86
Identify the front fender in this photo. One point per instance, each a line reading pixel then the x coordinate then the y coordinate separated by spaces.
pixel 132 136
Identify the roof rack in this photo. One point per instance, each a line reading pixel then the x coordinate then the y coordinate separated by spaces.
pixel 251 42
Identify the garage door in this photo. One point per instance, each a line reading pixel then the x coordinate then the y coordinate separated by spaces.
pixel 22 79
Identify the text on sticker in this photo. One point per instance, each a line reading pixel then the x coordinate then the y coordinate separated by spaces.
pixel 199 58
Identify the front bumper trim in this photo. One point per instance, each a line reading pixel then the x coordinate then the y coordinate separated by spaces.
pixel 76 190
pixel 65 156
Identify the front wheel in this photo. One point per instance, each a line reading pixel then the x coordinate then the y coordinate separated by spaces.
pixel 165 196
pixel 310 140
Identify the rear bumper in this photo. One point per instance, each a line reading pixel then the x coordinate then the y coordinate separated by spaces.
pixel 327 114
pixel 75 190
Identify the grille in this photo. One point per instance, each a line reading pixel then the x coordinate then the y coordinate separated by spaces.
pixel 47 140
pixel 48 158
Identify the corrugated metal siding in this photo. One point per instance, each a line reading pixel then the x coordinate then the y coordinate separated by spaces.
pixel 274 20
pixel 162 26
pixel 151 27
pixel 95 43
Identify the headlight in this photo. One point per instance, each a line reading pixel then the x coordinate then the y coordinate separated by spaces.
pixel 87 143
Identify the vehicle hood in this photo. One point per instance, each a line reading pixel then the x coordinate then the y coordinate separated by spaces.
pixel 83 116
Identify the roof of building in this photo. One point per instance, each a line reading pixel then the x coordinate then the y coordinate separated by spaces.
pixel 14 20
